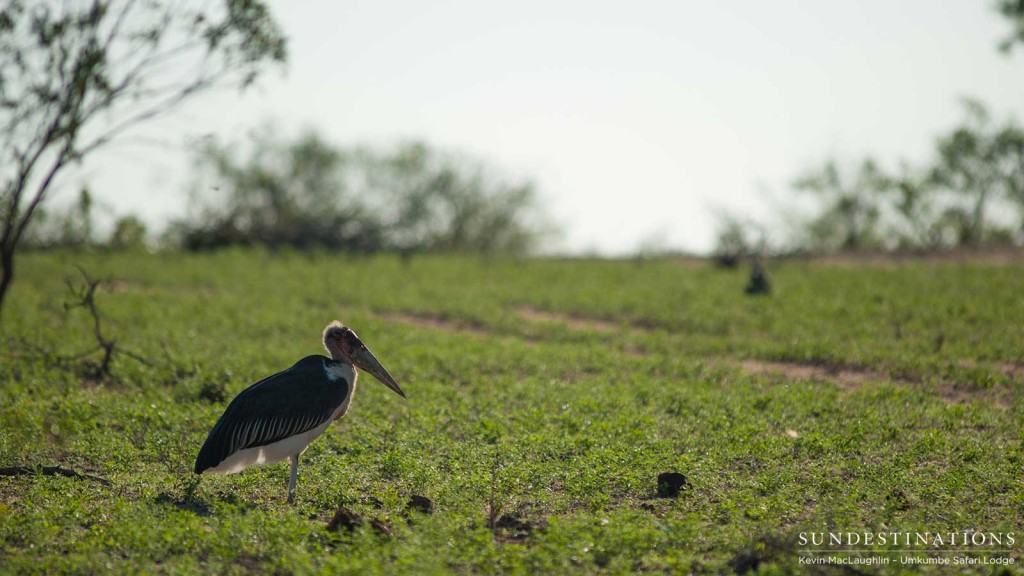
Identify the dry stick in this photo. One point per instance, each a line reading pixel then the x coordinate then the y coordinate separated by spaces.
pixel 493 510
pixel 87 300
pixel 84 297
pixel 50 471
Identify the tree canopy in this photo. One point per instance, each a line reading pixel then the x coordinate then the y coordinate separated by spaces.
pixel 308 194
pixel 1013 11
pixel 76 74
pixel 970 194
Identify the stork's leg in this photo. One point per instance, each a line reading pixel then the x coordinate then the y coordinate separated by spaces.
pixel 293 479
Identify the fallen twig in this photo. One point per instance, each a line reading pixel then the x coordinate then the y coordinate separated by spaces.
pixel 85 297
pixel 50 471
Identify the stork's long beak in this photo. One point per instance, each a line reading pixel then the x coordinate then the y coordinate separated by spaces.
pixel 365 359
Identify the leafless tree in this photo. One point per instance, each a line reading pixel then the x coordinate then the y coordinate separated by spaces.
pixel 76 74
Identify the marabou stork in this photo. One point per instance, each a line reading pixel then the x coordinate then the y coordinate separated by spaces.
pixel 278 417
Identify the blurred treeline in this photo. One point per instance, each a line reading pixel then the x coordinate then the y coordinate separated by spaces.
pixel 307 193
pixel 969 195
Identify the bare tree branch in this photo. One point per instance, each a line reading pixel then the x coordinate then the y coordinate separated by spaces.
pixel 76 74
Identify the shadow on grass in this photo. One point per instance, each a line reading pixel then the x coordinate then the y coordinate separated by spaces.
pixel 186 504
pixel 765 549
pixel 187 501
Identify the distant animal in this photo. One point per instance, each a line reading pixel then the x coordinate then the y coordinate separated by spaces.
pixel 279 416
pixel 759 282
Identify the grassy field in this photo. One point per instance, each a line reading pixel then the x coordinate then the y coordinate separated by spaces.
pixel 545 398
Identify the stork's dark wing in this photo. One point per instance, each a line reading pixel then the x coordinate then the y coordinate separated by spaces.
pixel 290 402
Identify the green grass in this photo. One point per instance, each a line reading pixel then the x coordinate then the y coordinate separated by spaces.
pixel 549 393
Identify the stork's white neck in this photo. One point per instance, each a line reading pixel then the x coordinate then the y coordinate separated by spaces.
pixel 337 371
pixel 334 371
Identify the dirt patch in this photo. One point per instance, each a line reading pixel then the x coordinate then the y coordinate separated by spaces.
pixel 536 315
pixel 849 378
pixel 996 256
pixel 845 378
pixel 435 322
pixel 118 286
pixel 1011 369
pixel 584 324
pixel 853 379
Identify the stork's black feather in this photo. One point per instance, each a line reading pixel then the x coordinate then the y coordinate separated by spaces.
pixel 288 403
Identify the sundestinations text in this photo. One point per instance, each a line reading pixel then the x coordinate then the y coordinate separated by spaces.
pixel 910 539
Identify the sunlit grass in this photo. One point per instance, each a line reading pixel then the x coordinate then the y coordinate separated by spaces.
pixel 550 393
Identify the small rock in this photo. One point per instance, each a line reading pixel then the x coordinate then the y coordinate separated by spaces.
pixel 344 519
pixel 349 521
pixel 897 499
pixel 515 527
pixel 381 527
pixel 420 504
pixel 671 483
pixel 511 522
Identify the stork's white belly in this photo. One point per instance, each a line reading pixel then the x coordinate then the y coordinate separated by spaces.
pixel 282 449
pixel 260 455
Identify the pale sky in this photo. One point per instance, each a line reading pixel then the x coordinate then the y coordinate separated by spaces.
pixel 636 120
